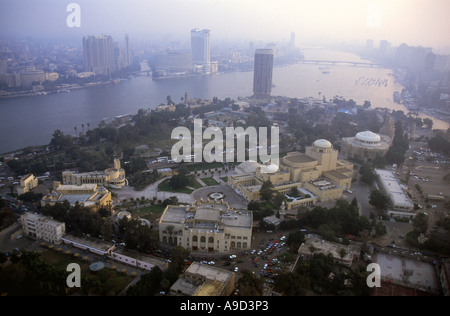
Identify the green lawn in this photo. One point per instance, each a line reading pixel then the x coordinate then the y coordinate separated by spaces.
pixel 205 166
pixel 209 181
pixel 151 209
pixel 165 186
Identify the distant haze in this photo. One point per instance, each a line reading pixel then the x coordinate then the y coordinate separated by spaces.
pixel 415 22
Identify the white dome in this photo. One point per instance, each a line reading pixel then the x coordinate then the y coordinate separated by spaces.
pixel 123 214
pixel 368 136
pixel 272 168
pixel 322 143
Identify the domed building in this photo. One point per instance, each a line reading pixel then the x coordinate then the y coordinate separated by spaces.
pixel 365 146
pixel 305 178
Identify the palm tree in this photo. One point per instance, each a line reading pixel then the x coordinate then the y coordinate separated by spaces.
pixel 76 132
pixel 82 125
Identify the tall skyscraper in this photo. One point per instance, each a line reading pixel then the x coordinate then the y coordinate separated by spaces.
pixel 99 55
pixel 262 77
pixel 201 48
pixel 127 51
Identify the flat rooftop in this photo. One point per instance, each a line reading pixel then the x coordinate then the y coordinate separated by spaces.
pixel 407 272
pixel 141 257
pixel 174 214
pixel 392 187
pixel 97 244
pixel 298 158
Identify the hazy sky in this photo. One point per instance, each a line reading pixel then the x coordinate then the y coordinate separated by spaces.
pixel 415 22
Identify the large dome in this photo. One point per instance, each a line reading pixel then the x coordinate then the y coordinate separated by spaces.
pixel 368 137
pixel 322 143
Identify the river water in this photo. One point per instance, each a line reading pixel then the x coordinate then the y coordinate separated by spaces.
pixel 27 121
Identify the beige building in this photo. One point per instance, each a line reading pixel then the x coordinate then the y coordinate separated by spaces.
pixel 365 146
pixel 27 183
pixel 91 196
pixel 203 280
pixel 318 175
pixel 37 226
pixel 112 177
pixel 206 226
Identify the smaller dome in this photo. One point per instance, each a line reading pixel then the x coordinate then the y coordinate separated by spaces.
pixel 272 168
pixel 123 214
pixel 322 143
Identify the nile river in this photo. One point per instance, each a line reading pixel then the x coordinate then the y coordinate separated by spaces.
pixel 27 121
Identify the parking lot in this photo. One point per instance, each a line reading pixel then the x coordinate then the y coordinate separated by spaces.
pixel 262 259
pixel 424 173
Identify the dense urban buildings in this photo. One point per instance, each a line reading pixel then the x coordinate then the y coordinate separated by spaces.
pixel 263 71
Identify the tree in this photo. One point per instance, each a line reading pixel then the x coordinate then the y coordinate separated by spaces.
pixel 178 181
pixel 378 200
pixel 266 192
pixel 250 285
pixel 420 223
pixel 367 174
pixel 428 122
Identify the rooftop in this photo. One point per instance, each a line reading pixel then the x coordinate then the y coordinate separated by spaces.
pixel 298 158
pixel 393 188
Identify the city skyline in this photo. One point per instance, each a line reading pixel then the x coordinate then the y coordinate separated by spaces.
pixel 417 23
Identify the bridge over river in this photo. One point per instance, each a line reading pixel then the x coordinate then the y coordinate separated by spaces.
pixel 341 63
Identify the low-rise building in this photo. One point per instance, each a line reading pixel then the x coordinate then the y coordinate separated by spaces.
pixel 343 254
pixel 112 177
pixel 37 226
pixel 400 203
pixel 137 259
pixel 444 278
pixel 204 280
pixel 92 245
pixel 210 226
pixel 91 196
pixel 27 183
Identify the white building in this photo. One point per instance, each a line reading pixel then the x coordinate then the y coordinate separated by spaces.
pixel 401 204
pixel 42 227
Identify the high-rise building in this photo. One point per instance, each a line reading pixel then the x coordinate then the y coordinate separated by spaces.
pixel 201 49
pixel 127 51
pixel 99 55
pixel 262 77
